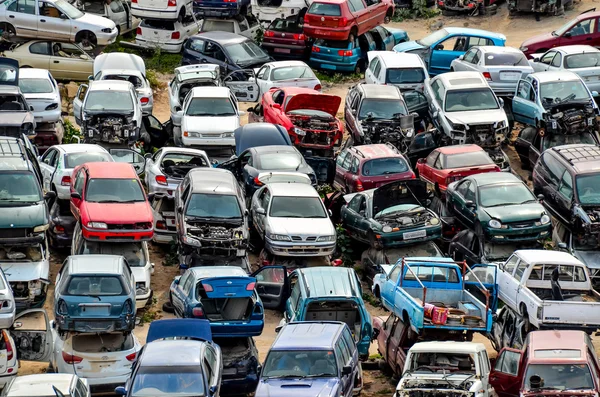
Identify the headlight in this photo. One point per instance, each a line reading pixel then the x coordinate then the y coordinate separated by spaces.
pixel 545 219
pixel 386 229
pixel 300 132
pixel 107 30
pixel 325 238
pixel 191 241
pixel 41 228
pixel 459 127
pixel 97 225
pixel 495 224
pixel 228 135
pixel 434 221
pixel 523 48
pixel 279 237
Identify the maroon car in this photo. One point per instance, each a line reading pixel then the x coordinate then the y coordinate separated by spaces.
pixel 369 166
pixel 394 338
pixel 583 29
pixel 284 39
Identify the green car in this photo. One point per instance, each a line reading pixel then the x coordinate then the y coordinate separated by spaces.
pixel 499 207
pixel 392 215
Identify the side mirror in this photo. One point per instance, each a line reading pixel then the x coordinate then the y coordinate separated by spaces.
pixel 213 389
pixel 346 370
pixel 176 280
pixel 439 47
pixel 595 94
pixel 361 212
pixel 50 195
pixel 276 106
pixel 501 102
pixel 31 108
pixel 76 196
pixel 567 35
pixel 250 110
pixel 330 213
pixel 421 161
pixel 536 59
pixel 562 246
pixel 148 155
pixel 63 16
pixel 278 328
pixel 540 197
pixel 261 211
pixel 461 57
pixel 178 108
pixel 470 204
pixel 90 77
pixel 120 391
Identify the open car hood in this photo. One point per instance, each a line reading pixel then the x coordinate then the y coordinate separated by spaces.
pixel 9 71
pixel 412 191
pixel 326 103
pixel 192 328
pixel 119 60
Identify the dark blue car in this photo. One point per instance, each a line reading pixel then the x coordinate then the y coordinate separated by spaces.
pixel 220 8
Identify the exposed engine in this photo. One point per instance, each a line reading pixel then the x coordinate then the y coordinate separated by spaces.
pixel 457 5
pixel 586 222
pixel 498 156
pixel 110 128
pixel 404 219
pixel 438 392
pixel 433 388
pixel 399 133
pixel 316 131
pixel 206 238
pixel 571 118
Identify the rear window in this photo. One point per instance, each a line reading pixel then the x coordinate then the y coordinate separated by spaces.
pixel 73 160
pixel 283 25
pixel 92 343
pixel 292 72
pixel 333 43
pixel 562 353
pixel 405 76
pixel 214 25
pixel 578 61
pixel 432 273
pixel 158 24
pixel 470 159
pixel 325 9
pixel 505 59
pixel 377 167
pixel 95 286
pixel 35 86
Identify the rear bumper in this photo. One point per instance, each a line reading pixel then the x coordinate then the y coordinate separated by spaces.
pixel 282 248
pixel 237 328
pixel 504 89
pixel 285 51
pixel 164 237
pixel 47 116
pixel 171 46
pixel 327 33
pixel 169 13
pixel 91 324
pixel 116 235
pixel 327 65
pixel 142 300
pixel 237 386
pixel 226 10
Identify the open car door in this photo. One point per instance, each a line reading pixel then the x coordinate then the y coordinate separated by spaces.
pixel 505 376
pixel 243 85
pixel 273 286
pixel 486 275
pixel 158 132
pixel 324 168
pixel 32 335
pixel 129 156
pixel 78 105
pixel 9 71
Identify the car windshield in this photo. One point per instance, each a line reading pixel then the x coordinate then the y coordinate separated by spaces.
pixel 280 161
pixel 35 86
pixel 588 189
pixel 218 24
pixel 442 362
pixel 20 253
pixel 133 252
pixel 215 107
pixel 297 207
pixel 109 100
pixel 433 38
pixel 174 380
pixel 470 159
pixel 325 9
pixel 505 194
pixel 560 31
pixel 284 25
pixel 382 109
pixel 578 61
pixel 109 190
pixel 204 205
pixel 298 363
pixel 106 285
pixel 505 59
pixel 378 167
pixel 405 76
pixel 21 187
pixel 245 53
pixel 73 160
pixel 561 139
pixel 68 9
pixel 292 72
pixel 469 100
pixel 557 91
pixel 558 376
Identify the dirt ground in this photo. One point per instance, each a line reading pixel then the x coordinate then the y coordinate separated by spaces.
pixel 517 29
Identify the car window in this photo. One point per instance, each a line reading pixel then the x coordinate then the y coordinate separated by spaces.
pixel 462 188
pixel 356 5
pixel 340 158
pixel 375 65
pixel 49 156
pixel 82 91
pixel 554 167
pixel 354 166
pixel 476 57
pixel 347 161
pixel 436 87
pixel 525 91
pixel 196 45
pixel 23 6
pixel 508 362
pixel 431 159
pixel 478 41
pixel 470 193
pixel 262 73
pixel 469 56
pixel 40 48
pixel 438 163
pixel 348 339
pixel 520 270
pixel 266 199
pixel 557 60
pixel 116 6
pixel 80 387
pixel 49 10
pixel 243 25
pixel 547 58
pixel 339 354
pixel 395 274
pixel 346 352
pixel 566 186
pixel 583 28
pixel 511 263
pixel 455 43
pixel 79 182
pixel 187 283
pixel 355 203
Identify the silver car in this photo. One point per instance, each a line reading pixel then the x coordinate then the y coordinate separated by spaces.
pixel 502 67
pixel 166 168
pixel 186 78
pixel 292 220
pixel 7 299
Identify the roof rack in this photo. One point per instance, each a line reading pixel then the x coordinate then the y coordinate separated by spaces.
pixel 359 152
pixel 590 10
pixel 9 147
pixel 579 154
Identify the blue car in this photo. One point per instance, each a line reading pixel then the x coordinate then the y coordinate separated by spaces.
pixel 440 48
pixel 224 295
pixel 95 293
pixel 347 56
pixel 220 8
pixel 309 359
pixel 178 359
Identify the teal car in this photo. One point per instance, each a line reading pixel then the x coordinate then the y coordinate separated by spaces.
pixel 499 207
pixel 391 215
pixel 350 56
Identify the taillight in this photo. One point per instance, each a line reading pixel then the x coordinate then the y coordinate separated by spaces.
pixel 131 357
pixel 345 53
pixel 65 181
pixel 359 186
pixel 144 100
pixel 71 358
pixel 316 49
pixel 161 180
pixel 299 36
pixel 134 1
pixel 58 229
pixel 161 225
pixel 343 22
pixel 127 307
pixel 138 30
pixel 257 182
pixel 487 76
pixel 207 287
pixel 172 3
pixel 250 286
pixel 62 307
pixel 198 312
pixel 9 350
pixel 269 33
pixel 317 87
pixel 175 35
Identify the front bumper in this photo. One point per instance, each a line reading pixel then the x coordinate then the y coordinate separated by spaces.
pixel 93 324
pixel 512 234
pixel 201 141
pixel 116 235
pixel 410 236
pixel 286 248
pixel 107 38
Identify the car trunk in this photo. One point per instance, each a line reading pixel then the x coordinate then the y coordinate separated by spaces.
pixel 227 298
pixel 324 15
pixel 270 3
pixel 236 353
pixel 101 353
pixel 166 208
pixel 345 311
pixel 153 4
pixel 40 102
pixel 504 74
pixel 156 30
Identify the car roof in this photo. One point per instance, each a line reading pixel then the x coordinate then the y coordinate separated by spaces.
pixel 283 64
pixel 393 59
pixel 376 150
pixel 499 49
pixel 475 32
pixel 380 91
pixel 575 49
pixel 564 75
pixel 462 80
pixel 32 73
pixel 456 149
pixel 162 353
pixel 115 169
pixel 113 85
pixel 447 347
pixel 283 189
pixel 12 154
pixel 259 134
pixel 212 180
pixel 586 15
pixel 308 335
pixel 557 342
pixel 274 149
pixel 210 92
pixel 548 257
pixel 493 178
pixel 223 38
pixel 202 272
pixel 582 157
pixel 94 264
pixel 329 281
pixel 40 385
pixel 80 148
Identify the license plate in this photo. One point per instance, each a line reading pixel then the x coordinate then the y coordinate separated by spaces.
pixel 411 235
pixel 511 76
pixel 96 310
pixel 323 32
pixel 38 119
pixel 283 50
pixel 326 66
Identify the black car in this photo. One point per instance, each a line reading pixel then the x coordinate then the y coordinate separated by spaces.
pixel 240 366
pixel 568 177
pixel 62 224
pixel 450 226
pixel 259 134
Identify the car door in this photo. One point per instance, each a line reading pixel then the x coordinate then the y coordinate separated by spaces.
pixel 351 112
pixel 48 167
pixel 78 187
pixel 535 148
pixel 260 208
pixel 338 180
pixel 373 70
pixel 179 293
pixel 583 32
pixel 54 21
pixel 544 62
pixel 458 201
pixel 39 56
pixel 465 62
pixel 444 52
pixel 243 85
pixel 524 142
pixel 122 155
pixel 69 61
pixel 78 103
pixel 505 377
pixel 272 285
pixel 524 103
pixel 511 279
pixel 22 14
pixel 394 349
pixel 351 215
pixel 32 335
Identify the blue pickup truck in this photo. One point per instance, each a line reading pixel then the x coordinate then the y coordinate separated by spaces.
pixel 417 289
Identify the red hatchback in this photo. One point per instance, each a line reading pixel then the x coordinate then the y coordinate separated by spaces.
pixel 109 203
pixel 451 163
pixel 339 19
pixel 369 166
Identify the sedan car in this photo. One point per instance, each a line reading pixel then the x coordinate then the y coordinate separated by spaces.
pixel 169 36
pixel 502 67
pixel 499 207
pixel 392 215
pixel 41 92
pixel 95 293
pixel 169 165
pixel 292 220
pixel 58 19
pixel 405 71
pixel 286 74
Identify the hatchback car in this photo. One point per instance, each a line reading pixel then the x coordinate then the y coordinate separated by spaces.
pixel 168 10
pixel 168 35
pixel 405 71
pixel 41 92
pixel 285 39
pixel 95 293
pixel 246 26
pixel 282 74
pixel 169 165
pixel 241 365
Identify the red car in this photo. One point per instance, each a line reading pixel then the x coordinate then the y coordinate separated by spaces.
pixel 307 115
pixel 109 203
pixel 340 19
pixel 369 166
pixel 451 163
pixel 583 29
pixel 285 39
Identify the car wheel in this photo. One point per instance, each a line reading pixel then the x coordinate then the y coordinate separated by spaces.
pixel 360 67
pixel 86 39
pixel 388 16
pixel 438 192
pixel 8 30
pixel 449 13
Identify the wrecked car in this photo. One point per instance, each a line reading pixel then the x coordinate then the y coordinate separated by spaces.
pixel 307 115
pixel 62 225
pixel 241 365
pixel 392 215
pixel 16 115
pixel 166 168
pixel 210 215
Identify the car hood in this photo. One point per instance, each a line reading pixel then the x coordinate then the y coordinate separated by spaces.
pixel 317 387
pixel 96 20
pixel 294 226
pixel 14 118
pixel 477 116
pixel 540 38
pixel 140 275
pixel 26 271
pixel 210 124
pixel 119 213
pixel 28 216
pixel 516 213
pixel 412 191
pixel 408 46
pixel 326 103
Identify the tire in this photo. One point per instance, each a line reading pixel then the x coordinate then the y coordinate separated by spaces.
pixel 360 67
pixel 479 230
pixel 388 16
pixel 167 307
pixel 378 293
pixel 438 192
pixel 449 13
pixel 86 38
pixel 8 30
pixel 491 10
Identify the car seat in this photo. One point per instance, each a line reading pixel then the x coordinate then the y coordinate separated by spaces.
pixel 110 285
pixel 423 360
pixel 322 367
pixel 556 289
pixel 83 288
pixel 13 105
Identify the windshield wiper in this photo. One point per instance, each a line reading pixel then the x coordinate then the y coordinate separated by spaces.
pixel 553 33
pixel 95 296
pixel 223 114
pixel 529 201
pixel 318 375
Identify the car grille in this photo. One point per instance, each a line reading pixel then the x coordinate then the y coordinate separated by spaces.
pixel 14 233
pixel 483 128
pixel 124 226
pixel 309 238
pixel 521 225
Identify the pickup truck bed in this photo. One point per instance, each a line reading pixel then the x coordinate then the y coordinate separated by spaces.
pixel 345 312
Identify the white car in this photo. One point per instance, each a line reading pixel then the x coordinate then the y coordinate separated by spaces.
pixel 266 11
pixel 405 71
pixel 57 164
pixel 172 10
pixel 186 78
pixel 57 20
pixel 116 10
pixel 7 300
pixel 126 67
pixel 286 74
pixel 168 36
pixel 166 168
pixel 209 117
pixel 43 385
pixel 41 92
pixel 241 25
pixel 583 60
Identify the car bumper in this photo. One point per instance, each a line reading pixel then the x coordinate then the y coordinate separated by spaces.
pixel 169 13
pixel 283 248
pixel 223 12
pixel 162 190
pixel 327 33
pixel 142 300
pixel 147 108
pixel 47 116
pixel 404 237
pixel 7 319
pixel 62 240
pixel 116 235
pixel 107 38
pixel 524 234
pixel 63 192
pixel 93 324
pixel 188 141
pixel 171 47
pixel 236 386
pixel 325 65
pixel 164 237
pixel 243 328
pixel 504 89
pixel 285 51
pixel 4 379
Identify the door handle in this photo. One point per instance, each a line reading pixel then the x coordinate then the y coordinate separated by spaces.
pixel 11 16
pixel 589 39
pixel 42 20
pixel 56 62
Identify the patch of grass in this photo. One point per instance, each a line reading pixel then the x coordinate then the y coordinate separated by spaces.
pixel 324 190
pixel 370 299
pixel 148 315
pixel 157 60
pixel 375 356
pixel 418 9
pixel 385 391
pixel 171 258
pixel 338 78
pixel 153 80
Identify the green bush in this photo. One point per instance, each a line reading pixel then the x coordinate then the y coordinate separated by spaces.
pixel 418 9
pixel 71 132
